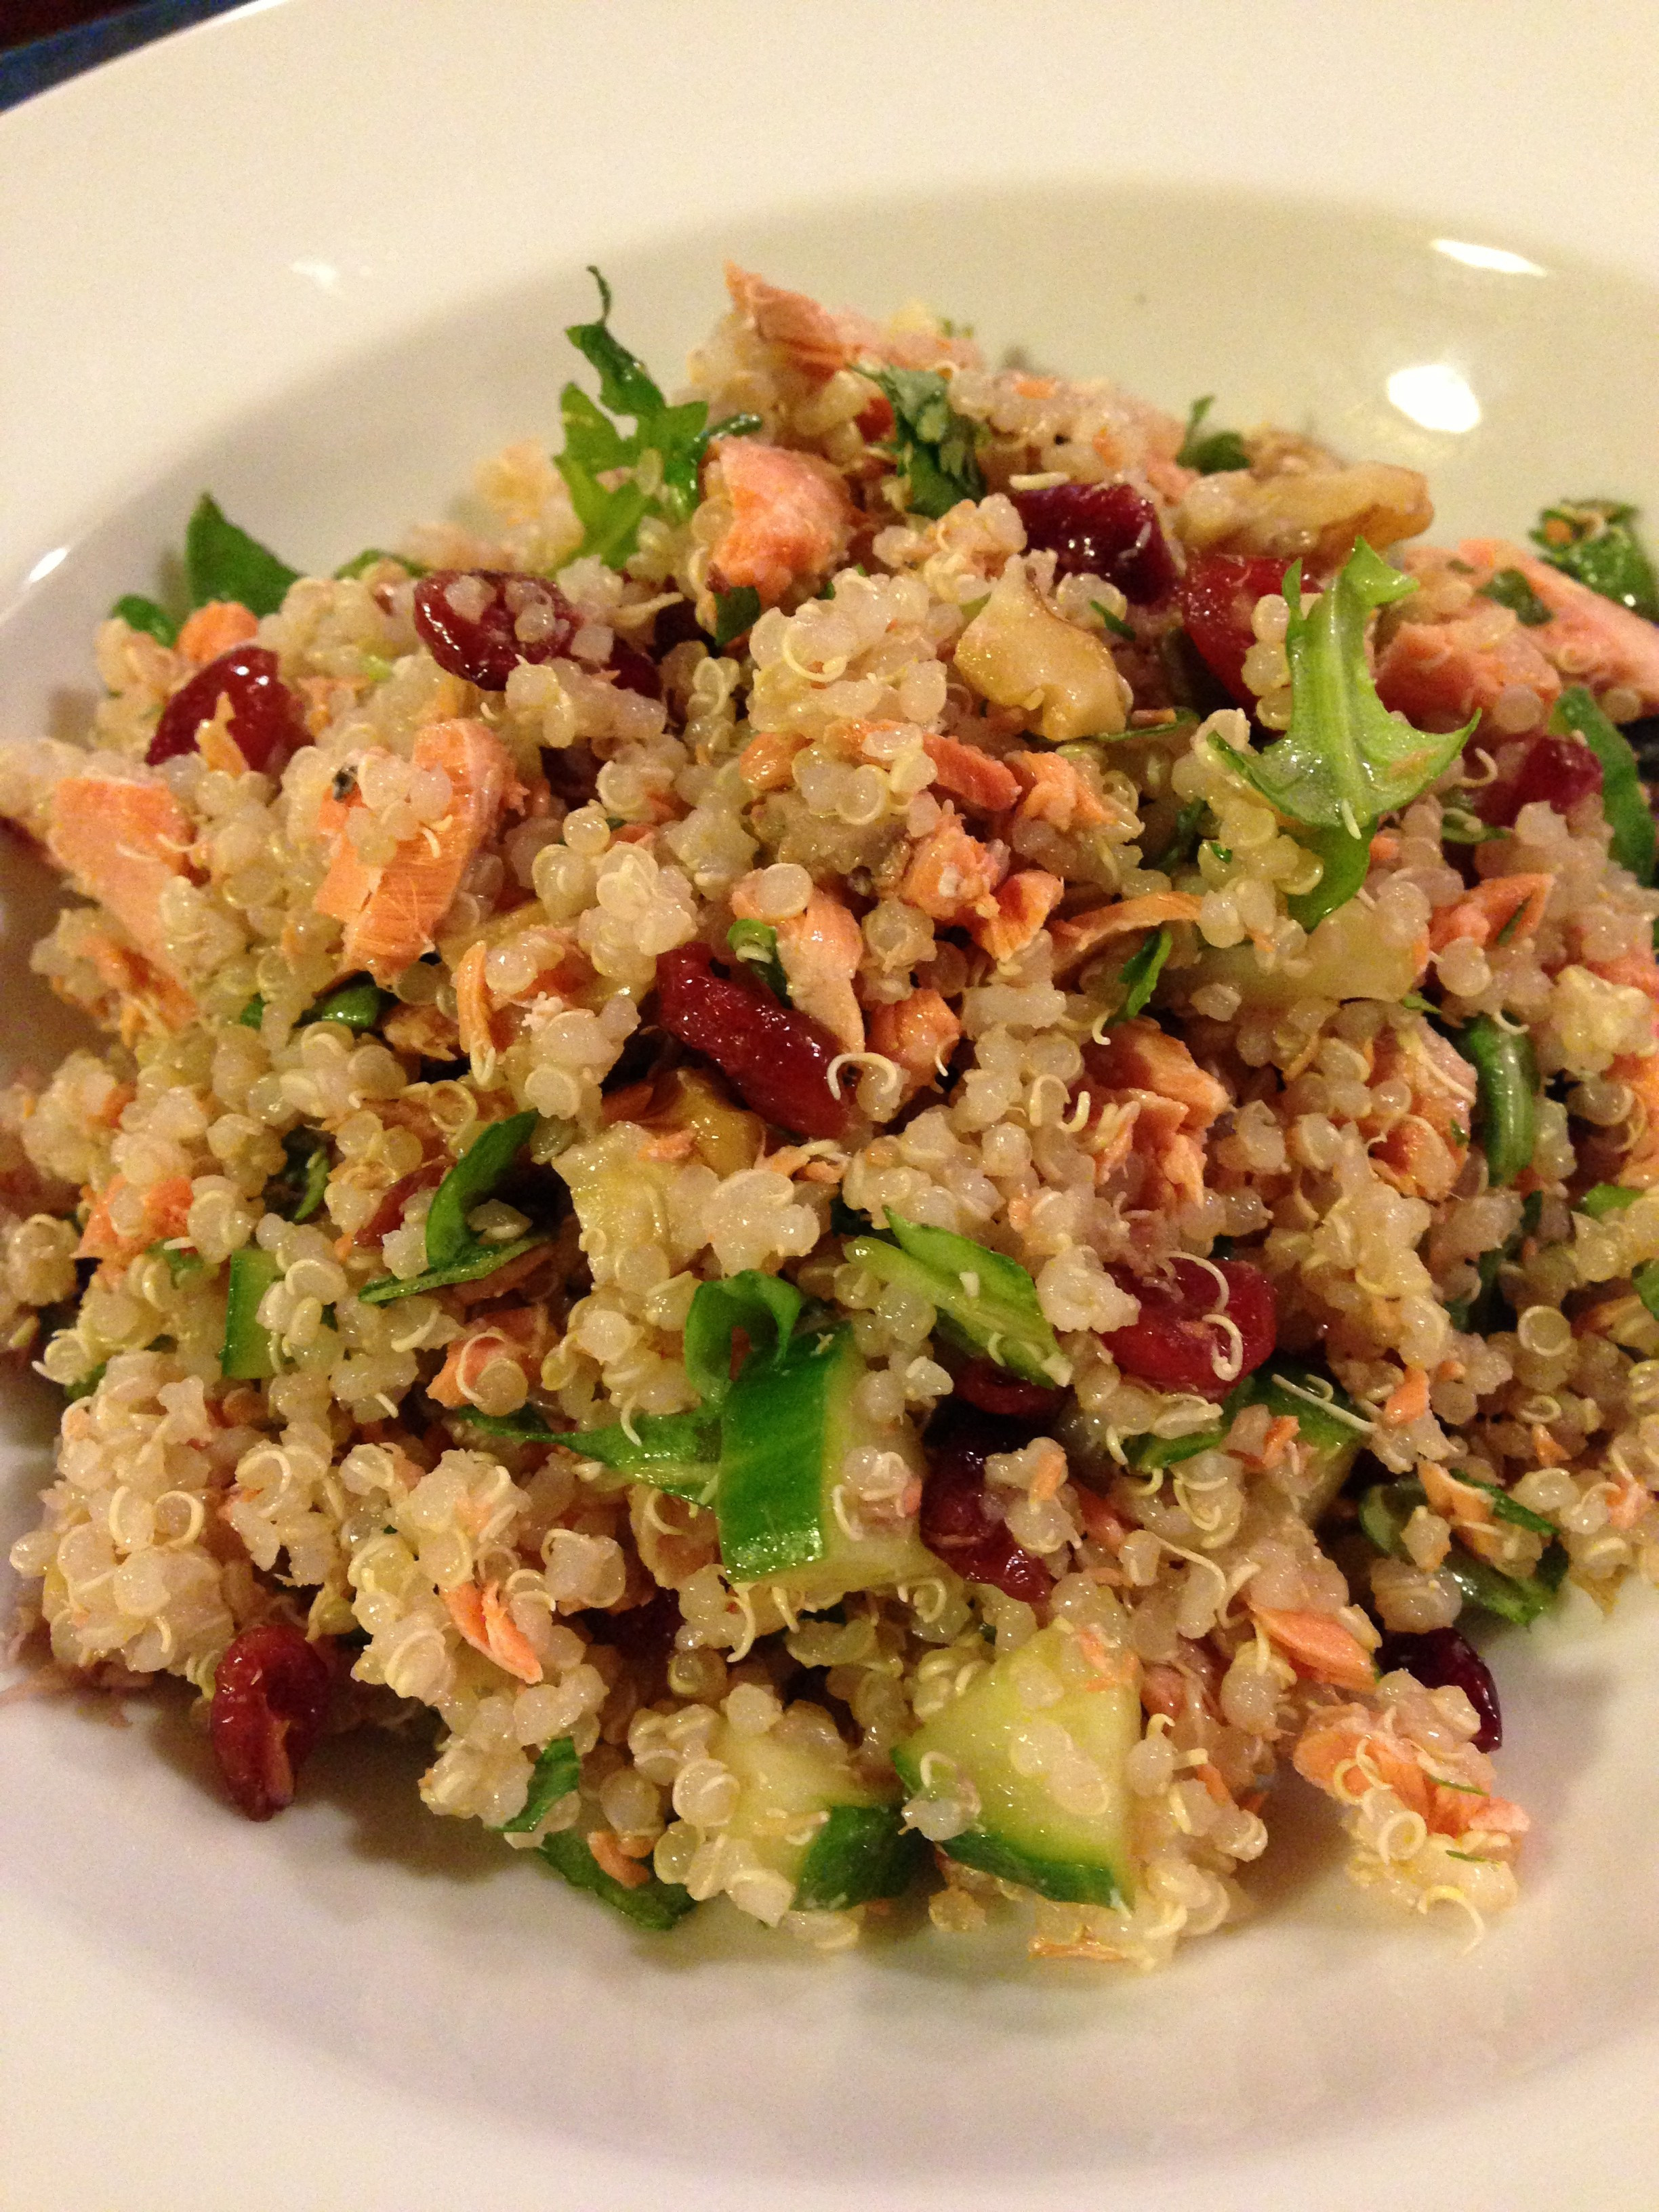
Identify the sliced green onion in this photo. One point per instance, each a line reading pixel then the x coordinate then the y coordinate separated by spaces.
pixel 481 1260
pixel 1506 1112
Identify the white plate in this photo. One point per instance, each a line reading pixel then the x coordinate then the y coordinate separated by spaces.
pixel 317 256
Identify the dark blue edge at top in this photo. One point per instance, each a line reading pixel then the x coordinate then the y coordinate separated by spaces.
pixel 47 62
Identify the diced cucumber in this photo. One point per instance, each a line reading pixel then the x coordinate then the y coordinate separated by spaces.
pixel 786 1430
pixel 621 1199
pixel 806 1815
pixel 247 1355
pixel 1330 1429
pixel 1023 1833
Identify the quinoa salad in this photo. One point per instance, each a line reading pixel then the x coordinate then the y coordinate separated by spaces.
pixel 889 1142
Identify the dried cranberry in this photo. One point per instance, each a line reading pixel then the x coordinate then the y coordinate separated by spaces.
pixel 265 719
pixel 1558 770
pixel 1108 530
pixel 270 1700
pixel 1218 597
pixel 636 670
pixel 1176 1343
pixel 502 619
pixel 777 1058
pixel 992 1389
pixel 961 1520
pixel 1441 1659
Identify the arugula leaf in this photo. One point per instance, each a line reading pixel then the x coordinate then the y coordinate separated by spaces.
pixel 755 943
pixel 557 1770
pixel 678 1452
pixel 594 445
pixel 933 444
pixel 1645 1284
pixel 358 1004
pixel 1221 449
pixel 140 613
pixel 654 1904
pixel 221 561
pixel 297 1191
pixel 84 1385
pixel 1140 971
pixel 252 1015
pixel 479 1261
pixel 1345 760
pixel 473 1178
pixel 1591 541
pixel 1510 589
pixel 1624 801
pixel 526 1426
pixel 1346 861
pixel 735 612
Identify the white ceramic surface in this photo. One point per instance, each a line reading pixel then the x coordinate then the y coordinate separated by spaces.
pixel 317 255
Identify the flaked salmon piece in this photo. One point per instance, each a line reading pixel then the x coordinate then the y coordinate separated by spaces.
pixel 216 628
pixel 1137 1056
pixel 1491 908
pixel 1056 792
pixel 918 1034
pixel 983 784
pixel 390 912
pixel 1022 904
pixel 1084 933
pixel 521 1335
pixel 820 948
pixel 142 996
pixel 791 516
pixel 123 842
pixel 167 1214
pixel 1590 639
pixel 818 340
pixel 951 876
pixel 482 1618
pixel 1318 1646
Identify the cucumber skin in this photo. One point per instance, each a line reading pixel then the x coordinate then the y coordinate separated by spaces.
pixel 247 1355
pixel 862 1852
pixel 770 1498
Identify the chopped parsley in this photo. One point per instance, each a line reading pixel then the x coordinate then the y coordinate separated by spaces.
pixel 1510 589
pixel 1213 452
pixel 934 446
pixel 221 561
pixel 734 613
pixel 1591 540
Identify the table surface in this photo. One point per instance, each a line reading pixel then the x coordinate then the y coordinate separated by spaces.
pixel 43 42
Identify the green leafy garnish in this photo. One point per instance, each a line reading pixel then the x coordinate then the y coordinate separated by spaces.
pixel 1146 1454
pixel 252 1014
pixel 1624 801
pixel 473 1178
pixel 359 1005
pixel 1510 589
pixel 679 1452
pixel 934 446
pixel 182 1263
pixel 1345 861
pixel 986 1302
pixel 1219 450
pixel 755 943
pixel 654 1904
pixel 1645 1284
pixel 1591 541
pixel 676 438
pixel 734 613
pixel 1140 971
pixel 1115 623
pixel 1346 760
pixel 1506 1110
pixel 557 1770
pixel 140 613
pixel 764 1307
pixel 482 1259
pixel 367 558
pixel 1605 1197
pixel 526 1426
pixel 221 561
pixel 1480 1314
pixel 84 1385
pixel 1459 828
pixel 1415 1003
pixel 1181 845
pixel 1505 1508
pixel 296 1191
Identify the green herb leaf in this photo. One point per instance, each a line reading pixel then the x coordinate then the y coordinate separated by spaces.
pixel 140 613
pixel 1517 1598
pixel 655 1904
pixel 764 1307
pixel 557 1770
pixel 1182 844
pixel 526 1426
pixel 1457 828
pixel 182 1263
pixel 221 561
pixel 1591 541
pixel 1624 800
pixel 1605 1197
pixel 473 1178
pixel 1510 589
pixel 755 943
pixel 1505 1508
pixel 480 1260
pixel 252 1014
pixel 934 446
pixel 1416 1004
pixel 370 555
pixel 1506 1112
pixel 1645 1284
pixel 1115 623
pixel 734 613
pixel 1140 971
pixel 296 1191
pixel 84 1385
pixel 677 1452
pixel 359 1005
pixel 1345 760
pixel 1347 861
pixel 1147 1454
pixel 1221 449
